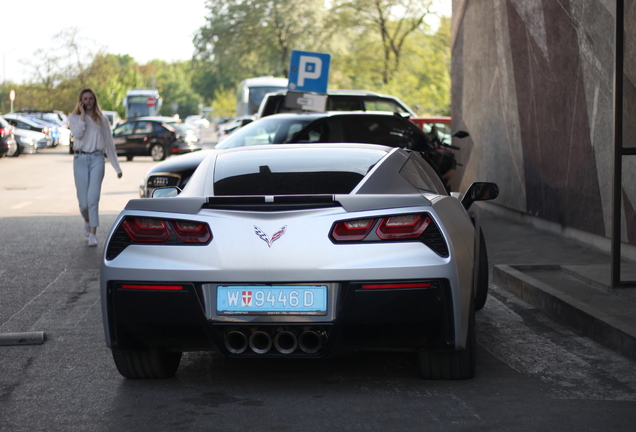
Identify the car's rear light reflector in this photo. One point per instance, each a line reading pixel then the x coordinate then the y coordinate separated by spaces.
pixel 397 285
pixel 353 230
pixel 146 229
pixel 192 232
pixel 153 287
pixel 403 226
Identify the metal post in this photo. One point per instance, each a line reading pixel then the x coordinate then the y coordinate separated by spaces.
pixel 618 144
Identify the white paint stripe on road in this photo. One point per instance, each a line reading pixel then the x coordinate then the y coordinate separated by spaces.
pixel 21 205
pixel 32 300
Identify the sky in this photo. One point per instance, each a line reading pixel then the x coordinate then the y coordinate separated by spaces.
pixel 142 29
pixel 145 30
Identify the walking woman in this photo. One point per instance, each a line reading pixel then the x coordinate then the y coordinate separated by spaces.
pixel 93 138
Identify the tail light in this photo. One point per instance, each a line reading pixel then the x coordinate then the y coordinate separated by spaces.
pixel 415 227
pixel 403 227
pixel 397 285
pixel 354 230
pixel 140 230
pixel 192 232
pixel 146 230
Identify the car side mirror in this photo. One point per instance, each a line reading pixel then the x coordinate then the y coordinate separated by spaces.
pixel 166 192
pixel 461 134
pixel 480 191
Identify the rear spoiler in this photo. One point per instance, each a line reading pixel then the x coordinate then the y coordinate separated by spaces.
pixel 351 203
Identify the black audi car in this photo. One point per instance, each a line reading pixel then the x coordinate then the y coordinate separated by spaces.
pixel 384 128
pixel 155 137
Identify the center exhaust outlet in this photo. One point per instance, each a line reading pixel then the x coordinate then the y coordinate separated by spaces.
pixel 260 342
pixel 236 342
pixel 285 342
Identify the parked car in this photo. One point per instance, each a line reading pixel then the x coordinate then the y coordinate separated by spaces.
pixel 29 142
pixel 374 128
pixel 8 145
pixel 51 115
pixel 233 125
pixel 26 123
pixel 292 251
pixel 113 119
pixel 198 121
pixel 60 134
pixel 150 137
pixel 338 100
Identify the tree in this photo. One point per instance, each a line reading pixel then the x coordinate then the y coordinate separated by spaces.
pixel 174 85
pixel 393 21
pixel 246 38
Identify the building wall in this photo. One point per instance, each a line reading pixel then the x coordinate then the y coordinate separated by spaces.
pixel 533 85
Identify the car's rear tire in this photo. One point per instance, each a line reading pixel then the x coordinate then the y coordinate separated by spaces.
pixel 18 151
pixel 147 364
pixel 481 288
pixel 453 365
pixel 157 152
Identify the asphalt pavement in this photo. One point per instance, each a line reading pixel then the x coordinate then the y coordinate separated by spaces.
pixel 563 273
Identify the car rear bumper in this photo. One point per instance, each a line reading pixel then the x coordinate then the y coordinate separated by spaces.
pixel 358 319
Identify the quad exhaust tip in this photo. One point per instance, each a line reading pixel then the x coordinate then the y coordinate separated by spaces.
pixel 285 341
pixel 260 342
pixel 236 342
pixel 310 341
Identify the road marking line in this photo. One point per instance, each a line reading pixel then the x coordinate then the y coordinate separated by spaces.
pixel 19 206
pixel 32 300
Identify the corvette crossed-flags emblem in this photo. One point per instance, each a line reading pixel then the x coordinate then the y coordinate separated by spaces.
pixel 259 232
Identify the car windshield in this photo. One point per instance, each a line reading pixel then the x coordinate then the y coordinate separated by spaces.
pixel 295 171
pixel 270 130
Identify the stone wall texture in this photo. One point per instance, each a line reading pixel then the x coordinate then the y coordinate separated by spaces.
pixel 533 84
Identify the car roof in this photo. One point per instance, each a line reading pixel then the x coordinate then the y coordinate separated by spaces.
pixel 318 115
pixel 162 119
pixel 344 92
pixel 24 119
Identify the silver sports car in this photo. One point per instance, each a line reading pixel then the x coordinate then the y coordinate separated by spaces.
pixel 297 250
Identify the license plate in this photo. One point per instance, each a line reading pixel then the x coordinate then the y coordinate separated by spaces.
pixel 271 300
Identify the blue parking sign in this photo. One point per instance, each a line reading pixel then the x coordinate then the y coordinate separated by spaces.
pixel 309 71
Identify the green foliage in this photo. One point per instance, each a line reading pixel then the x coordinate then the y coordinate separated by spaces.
pixel 376 45
pixel 246 38
pixel 224 102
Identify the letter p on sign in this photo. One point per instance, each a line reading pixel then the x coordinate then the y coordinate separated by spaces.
pixel 310 67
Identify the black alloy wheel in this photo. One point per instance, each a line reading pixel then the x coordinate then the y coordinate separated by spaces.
pixel 157 152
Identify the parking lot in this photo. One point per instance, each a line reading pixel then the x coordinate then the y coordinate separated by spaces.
pixel 49 283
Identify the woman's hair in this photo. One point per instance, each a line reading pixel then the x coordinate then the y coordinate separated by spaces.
pixel 97 111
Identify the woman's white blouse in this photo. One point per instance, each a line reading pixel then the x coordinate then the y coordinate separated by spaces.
pixel 90 136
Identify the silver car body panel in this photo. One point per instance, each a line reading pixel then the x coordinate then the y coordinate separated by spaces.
pixel 238 255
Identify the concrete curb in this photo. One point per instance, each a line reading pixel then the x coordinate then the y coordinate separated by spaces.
pixel 567 310
pixel 29 338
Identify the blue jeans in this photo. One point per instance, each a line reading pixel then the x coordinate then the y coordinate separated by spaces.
pixel 88 170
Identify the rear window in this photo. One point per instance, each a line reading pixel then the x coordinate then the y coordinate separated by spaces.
pixel 296 171
pixel 272 130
